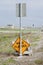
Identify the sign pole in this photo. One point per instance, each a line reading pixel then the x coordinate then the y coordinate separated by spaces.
pixel 20 8
pixel 20 12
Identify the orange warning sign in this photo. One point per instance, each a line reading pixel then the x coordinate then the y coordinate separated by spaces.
pixel 25 45
pixel 16 45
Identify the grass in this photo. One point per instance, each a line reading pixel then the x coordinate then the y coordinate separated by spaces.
pixel 9 29
pixel 32 37
pixel 23 30
pixel 40 50
pixel 39 61
pixel 5 45
pixel 11 60
pixel 34 44
pixel 7 38
pixel 8 61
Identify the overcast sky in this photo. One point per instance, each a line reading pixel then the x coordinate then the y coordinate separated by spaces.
pixel 34 12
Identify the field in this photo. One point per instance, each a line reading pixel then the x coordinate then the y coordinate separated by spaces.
pixel 7 57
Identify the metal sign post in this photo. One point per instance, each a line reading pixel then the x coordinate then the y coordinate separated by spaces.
pixel 20 15
pixel 20 12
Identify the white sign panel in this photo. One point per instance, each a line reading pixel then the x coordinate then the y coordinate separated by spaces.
pixel 18 10
pixel 21 9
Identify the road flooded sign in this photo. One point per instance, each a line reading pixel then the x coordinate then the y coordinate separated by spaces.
pixel 16 45
pixel 25 45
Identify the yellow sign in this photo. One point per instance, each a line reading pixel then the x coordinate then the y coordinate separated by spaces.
pixel 16 45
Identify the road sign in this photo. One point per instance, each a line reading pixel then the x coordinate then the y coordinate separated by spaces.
pixel 16 45
pixel 20 12
pixel 21 9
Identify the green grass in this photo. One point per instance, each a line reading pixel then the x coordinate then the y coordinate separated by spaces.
pixel 23 30
pixel 11 60
pixel 8 61
pixel 34 44
pixel 39 61
pixel 7 38
pixel 6 47
pixel 9 29
pixel 40 50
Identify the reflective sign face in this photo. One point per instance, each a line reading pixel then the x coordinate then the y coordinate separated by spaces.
pixel 25 46
pixel 18 10
pixel 16 45
pixel 21 9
